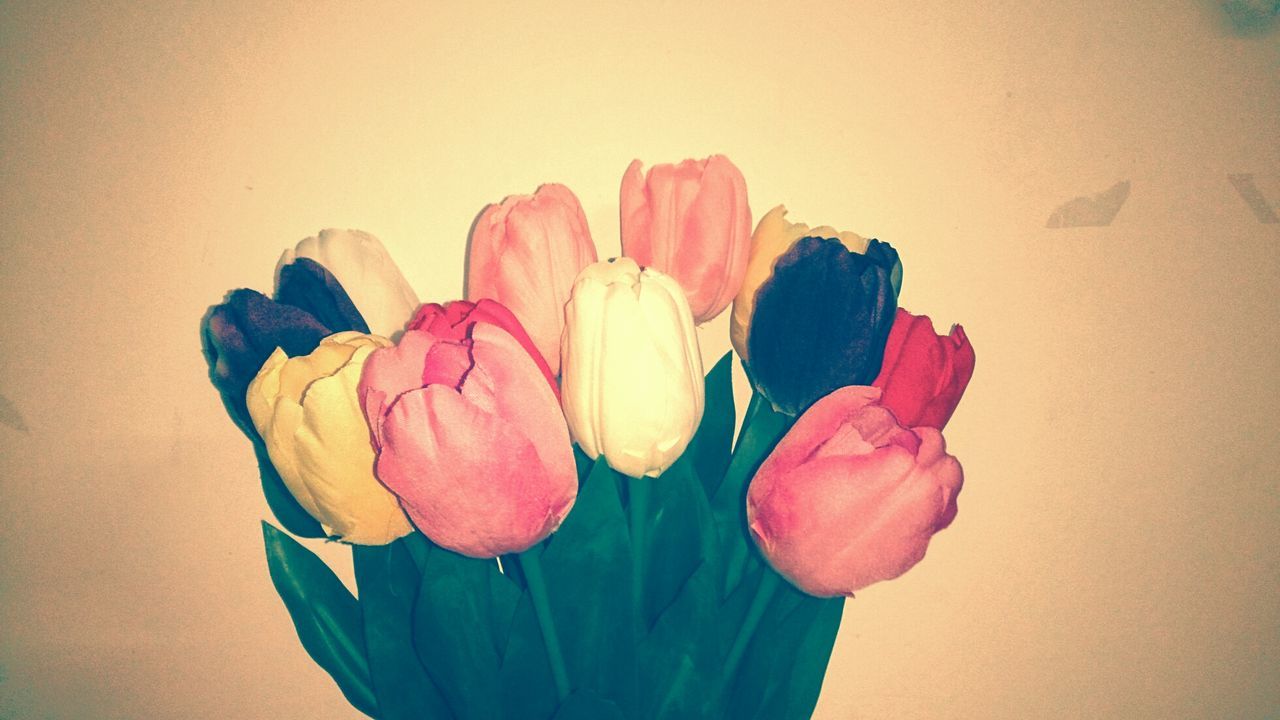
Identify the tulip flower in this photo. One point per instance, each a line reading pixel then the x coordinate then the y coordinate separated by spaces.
pixel 306 410
pixel 469 435
pixel 455 321
pixel 242 332
pixel 924 374
pixel 525 254
pixel 849 497
pixel 365 269
pixel 692 222
pixel 632 374
pixel 819 315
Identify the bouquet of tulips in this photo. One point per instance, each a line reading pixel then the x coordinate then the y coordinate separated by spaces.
pixel 548 511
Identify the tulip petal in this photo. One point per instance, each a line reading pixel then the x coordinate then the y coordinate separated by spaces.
pixel 366 271
pixel 306 284
pixel 483 492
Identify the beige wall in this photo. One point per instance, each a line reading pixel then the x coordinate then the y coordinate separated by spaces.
pixel 1115 555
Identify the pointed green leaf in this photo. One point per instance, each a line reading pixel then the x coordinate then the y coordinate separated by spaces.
pixel 680 535
pixel 588 706
pixel 712 444
pixel 761 431
pixel 802 691
pixel 461 604
pixel 587 566
pixel 528 690
pixel 325 615
pixel 771 652
pixel 680 660
pixel 388 582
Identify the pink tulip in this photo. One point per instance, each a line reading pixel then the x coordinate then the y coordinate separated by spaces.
pixel 848 497
pixel 692 222
pixel 455 321
pixel 525 254
pixel 924 374
pixel 469 435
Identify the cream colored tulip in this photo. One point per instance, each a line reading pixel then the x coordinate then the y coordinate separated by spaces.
pixel 631 382
pixel 306 410
pixel 773 237
pixel 366 271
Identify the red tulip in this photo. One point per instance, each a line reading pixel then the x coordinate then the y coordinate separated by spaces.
pixel 692 222
pixel 469 435
pixel 849 497
pixel 525 254
pixel 924 374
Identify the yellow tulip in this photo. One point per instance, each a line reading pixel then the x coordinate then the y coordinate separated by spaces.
pixel 306 410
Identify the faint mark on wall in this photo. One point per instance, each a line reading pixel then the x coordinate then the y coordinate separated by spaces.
pixel 1247 186
pixel 1096 211
pixel 1252 18
pixel 10 416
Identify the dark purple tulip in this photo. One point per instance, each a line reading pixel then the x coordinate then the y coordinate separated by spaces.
pixel 821 320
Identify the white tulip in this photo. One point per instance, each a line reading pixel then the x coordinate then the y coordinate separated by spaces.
pixel 632 381
pixel 368 274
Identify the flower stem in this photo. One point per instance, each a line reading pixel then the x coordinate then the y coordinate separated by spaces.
pixel 532 567
pixel 639 511
pixel 768 585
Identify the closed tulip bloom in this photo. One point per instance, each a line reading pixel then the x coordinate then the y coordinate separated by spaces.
pixel 632 377
pixel 849 497
pixel 242 332
pixel 525 254
pixel 455 320
pixel 469 435
pixel 774 235
pixel 924 374
pixel 308 414
pixel 820 321
pixel 365 269
pixel 692 222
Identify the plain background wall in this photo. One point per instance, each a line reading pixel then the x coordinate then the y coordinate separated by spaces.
pixel 1116 552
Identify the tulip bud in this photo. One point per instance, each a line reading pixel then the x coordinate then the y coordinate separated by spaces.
pixel 456 320
pixel 849 498
pixel 632 375
pixel 692 222
pixel 819 318
pixel 525 254
pixel 924 374
pixel 365 269
pixel 469 435
pixel 306 410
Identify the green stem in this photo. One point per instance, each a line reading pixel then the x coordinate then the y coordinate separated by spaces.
pixel 639 511
pixel 753 408
pixel 532 567
pixel 768 585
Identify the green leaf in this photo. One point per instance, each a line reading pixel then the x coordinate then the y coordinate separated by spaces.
pixel 388 580
pixel 761 431
pixel 587 566
pixel 460 619
pixel 802 691
pixel 528 690
pixel 771 652
pixel 588 706
pixel 286 509
pixel 326 616
pixel 679 660
pixel 712 444
pixel 681 535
